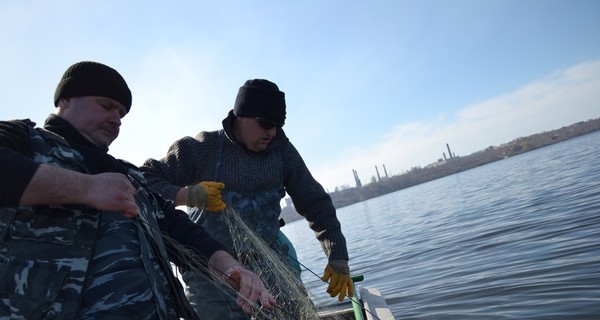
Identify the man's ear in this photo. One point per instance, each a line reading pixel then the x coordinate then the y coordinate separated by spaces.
pixel 63 104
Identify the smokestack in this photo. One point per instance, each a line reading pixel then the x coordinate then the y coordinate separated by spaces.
pixel 385 171
pixel 356 179
pixel 449 152
pixel 378 177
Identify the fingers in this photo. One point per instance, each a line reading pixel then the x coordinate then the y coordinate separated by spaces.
pixel 326 274
pixel 339 284
pixel 334 284
pixel 333 281
pixel 111 191
pixel 245 300
pixel 350 288
pixel 216 185
pixel 244 304
pixel 251 290
pixel 340 289
pixel 212 186
pixel 216 205
pixel 249 293
pixel 267 300
pixel 244 286
pixel 130 213
pixel 131 208
pixel 213 189
pixel 343 291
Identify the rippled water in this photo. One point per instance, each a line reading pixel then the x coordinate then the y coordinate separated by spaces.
pixel 515 239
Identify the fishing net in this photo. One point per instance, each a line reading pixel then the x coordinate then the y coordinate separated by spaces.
pixel 280 279
pixel 273 268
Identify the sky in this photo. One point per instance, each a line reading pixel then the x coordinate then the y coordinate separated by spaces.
pixel 367 83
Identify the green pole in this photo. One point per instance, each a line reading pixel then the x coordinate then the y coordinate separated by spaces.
pixel 358 312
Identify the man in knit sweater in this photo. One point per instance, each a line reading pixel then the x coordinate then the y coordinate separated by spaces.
pixel 257 165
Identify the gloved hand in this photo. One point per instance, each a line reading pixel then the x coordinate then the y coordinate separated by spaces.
pixel 338 272
pixel 206 194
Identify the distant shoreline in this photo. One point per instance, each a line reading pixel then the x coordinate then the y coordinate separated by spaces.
pixel 446 167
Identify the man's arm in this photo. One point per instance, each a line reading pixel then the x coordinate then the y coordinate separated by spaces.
pixel 316 206
pixel 105 191
pixel 26 182
pixel 313 202
pixel 179 168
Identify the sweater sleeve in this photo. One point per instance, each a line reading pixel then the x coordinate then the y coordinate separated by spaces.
pixel 180 167
pixel 178 226
pixel 312 201
pixel 16 164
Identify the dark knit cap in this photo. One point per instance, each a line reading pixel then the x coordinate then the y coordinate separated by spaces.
pixel 260 98
pixel 88 78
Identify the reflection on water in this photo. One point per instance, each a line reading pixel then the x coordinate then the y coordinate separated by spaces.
pixel 515 239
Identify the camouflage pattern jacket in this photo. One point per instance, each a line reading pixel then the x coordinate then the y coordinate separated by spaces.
pixel 51 263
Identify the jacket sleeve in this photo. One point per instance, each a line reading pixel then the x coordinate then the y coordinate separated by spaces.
pixel 312 201
pixel 178 227
pixel 16 164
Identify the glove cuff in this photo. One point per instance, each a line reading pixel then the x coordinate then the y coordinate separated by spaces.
pixel 195 196
pixel 340 266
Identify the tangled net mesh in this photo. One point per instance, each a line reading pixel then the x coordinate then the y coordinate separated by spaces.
pixel 285 284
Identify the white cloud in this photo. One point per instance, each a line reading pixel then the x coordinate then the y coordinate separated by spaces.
pixel 174 95
pixel 558 100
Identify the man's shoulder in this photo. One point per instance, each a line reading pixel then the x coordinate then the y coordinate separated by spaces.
pixel 204 141
pixel 207 136
pixel 128 165
pixel 14 130
pixel 17 124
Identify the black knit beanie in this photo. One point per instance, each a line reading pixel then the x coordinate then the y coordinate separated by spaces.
pixel 260 98
pixel 88 78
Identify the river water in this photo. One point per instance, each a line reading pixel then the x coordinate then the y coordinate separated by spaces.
pixel 514 239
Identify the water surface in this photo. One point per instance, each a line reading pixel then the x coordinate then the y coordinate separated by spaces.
pixel 514 239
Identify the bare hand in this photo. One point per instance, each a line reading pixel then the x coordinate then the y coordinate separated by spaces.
pixel 111 191
pixel 251 289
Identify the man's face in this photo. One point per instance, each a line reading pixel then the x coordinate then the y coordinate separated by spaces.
pixel 96 118
pixel 252 135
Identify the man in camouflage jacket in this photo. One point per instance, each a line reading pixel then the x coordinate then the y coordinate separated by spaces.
pixel 81 237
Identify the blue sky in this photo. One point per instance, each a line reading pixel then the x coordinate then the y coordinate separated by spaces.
pixel 367 83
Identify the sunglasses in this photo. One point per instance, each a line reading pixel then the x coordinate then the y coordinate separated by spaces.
pixel 266 124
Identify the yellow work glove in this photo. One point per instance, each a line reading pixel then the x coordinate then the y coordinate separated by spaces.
pixel 206 194
pixel 338 274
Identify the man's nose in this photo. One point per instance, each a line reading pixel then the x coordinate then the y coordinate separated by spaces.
pixel 116 118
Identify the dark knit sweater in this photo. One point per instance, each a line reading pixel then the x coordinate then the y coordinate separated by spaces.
pixel 192 160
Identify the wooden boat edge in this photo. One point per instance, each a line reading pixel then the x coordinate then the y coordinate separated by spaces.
pixel 373 304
